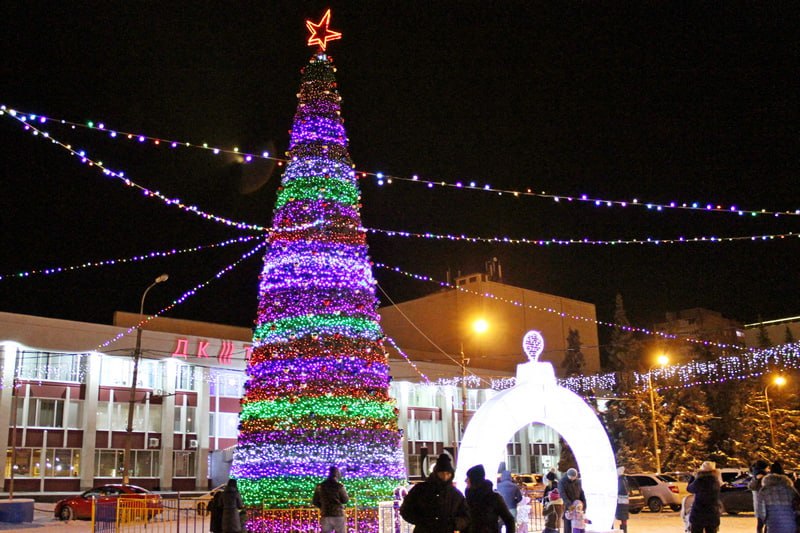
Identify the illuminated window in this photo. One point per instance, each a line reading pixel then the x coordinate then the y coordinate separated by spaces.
pixel 224 425
pixel 51 366
pixel 227 384
pixel 185 379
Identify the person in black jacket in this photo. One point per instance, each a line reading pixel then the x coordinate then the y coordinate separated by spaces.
pixel 571 490
pixel 486 507
pixel 435 505
pixel 330 496
pixel 704 516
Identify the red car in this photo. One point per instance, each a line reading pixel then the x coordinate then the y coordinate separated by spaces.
pixel 106 497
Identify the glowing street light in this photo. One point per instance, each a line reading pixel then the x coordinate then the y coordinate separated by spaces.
pixel 137 353
pixel 779 381
pixel 662 361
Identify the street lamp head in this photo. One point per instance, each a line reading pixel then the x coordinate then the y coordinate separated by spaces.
pixel 162 278
pixel 779 381
pixel 480 326
pixel 662 360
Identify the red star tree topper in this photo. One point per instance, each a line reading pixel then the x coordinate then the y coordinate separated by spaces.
pixel 320 33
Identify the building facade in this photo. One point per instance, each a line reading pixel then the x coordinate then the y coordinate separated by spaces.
pixel 66 393
pixel 438 327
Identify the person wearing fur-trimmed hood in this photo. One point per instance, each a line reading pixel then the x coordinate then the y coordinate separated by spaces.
pixel 777 501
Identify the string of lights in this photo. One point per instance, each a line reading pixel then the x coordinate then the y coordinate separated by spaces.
pixel 124 260
pixel 388 179
pixel 585 241
pixel 26 121
pixel 753 363
pixel 444 284
pixel 185 296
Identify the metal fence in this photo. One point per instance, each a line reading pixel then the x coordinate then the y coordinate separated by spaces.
pixel 189 515
pixel 135 515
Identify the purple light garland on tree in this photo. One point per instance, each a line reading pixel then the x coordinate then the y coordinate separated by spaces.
pixel 317 391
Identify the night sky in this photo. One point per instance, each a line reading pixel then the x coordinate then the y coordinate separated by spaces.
pixel 614 100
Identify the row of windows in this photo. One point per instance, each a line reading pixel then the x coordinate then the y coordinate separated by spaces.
pixel 67 414
pixel 117 372
pixel 65 462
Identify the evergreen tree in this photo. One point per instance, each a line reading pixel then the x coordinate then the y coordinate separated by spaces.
pixel 728 402
pixel 318 378
pixel 627 420
pixel 623 350
pixel 688 417
pixel 574 360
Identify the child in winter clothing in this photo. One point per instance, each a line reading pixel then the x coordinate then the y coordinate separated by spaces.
pixel 552 511
pixel 523 514
pixel 576 517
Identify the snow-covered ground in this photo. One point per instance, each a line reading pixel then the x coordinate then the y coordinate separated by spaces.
pixel 645 522
pixel 670 522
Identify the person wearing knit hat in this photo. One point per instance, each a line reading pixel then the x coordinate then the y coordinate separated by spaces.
pixel 571 490
pixel 435 505
pixel 486 507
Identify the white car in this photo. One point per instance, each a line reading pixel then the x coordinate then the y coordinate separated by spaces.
pixel 660 490
pixel 202 501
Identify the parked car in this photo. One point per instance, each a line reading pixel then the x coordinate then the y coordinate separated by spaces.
pixel 80 506
pixel 635 498
pixel 204 499
pixel 735 496
pixel 660 490
pixel 529 482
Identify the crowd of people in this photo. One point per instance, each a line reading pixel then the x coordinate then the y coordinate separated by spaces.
pixel 437 506
pixel 776 500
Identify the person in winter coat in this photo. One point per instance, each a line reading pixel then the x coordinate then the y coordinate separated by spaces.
pixel 231 505
pixel 704 516
pixel 777 501
pixel 523 514
pixel 550 483
pixel 622 512
pixel 435 505
pixel 509 491
pixel 553 511
pixel 758 470
pixel 486 507
pixel 571 490
pixel 576 517
pixel 330 496
pixel 215 510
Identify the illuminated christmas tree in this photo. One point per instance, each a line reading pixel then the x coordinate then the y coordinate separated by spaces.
pixel 318 376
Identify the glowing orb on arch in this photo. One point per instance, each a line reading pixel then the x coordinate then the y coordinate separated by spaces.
pixel 533 345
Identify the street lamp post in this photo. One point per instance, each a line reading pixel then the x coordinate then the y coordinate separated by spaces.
pixel 662 360
pixel 479 326
pixel 779 381
pixel 137 352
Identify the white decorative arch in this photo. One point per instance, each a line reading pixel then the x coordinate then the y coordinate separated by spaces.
pixel 538 398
